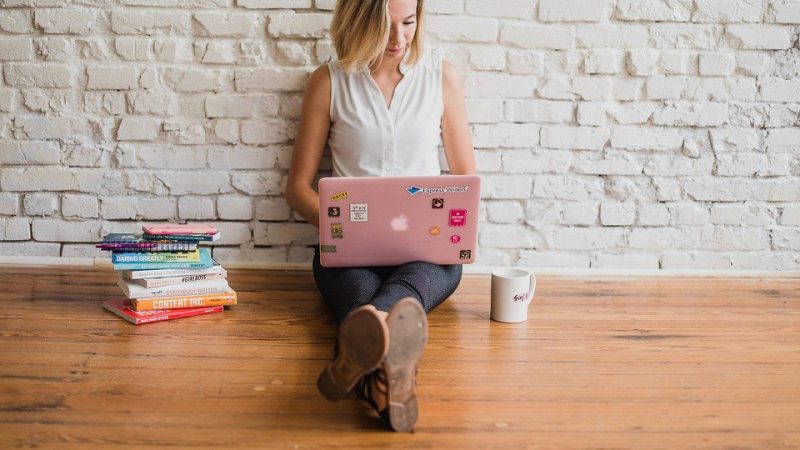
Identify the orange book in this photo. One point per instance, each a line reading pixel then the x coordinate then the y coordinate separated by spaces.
pixel 184 301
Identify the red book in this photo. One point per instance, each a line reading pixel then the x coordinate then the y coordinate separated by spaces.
pixel 122 307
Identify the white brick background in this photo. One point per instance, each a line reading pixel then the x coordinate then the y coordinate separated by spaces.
pixel 637 134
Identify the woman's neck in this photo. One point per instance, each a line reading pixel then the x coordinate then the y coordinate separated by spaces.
pixel 387 67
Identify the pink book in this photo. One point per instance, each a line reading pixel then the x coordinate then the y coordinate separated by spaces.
pixel 122 307
pixel 172 228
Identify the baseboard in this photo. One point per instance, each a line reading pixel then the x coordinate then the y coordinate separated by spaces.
pixel 471 269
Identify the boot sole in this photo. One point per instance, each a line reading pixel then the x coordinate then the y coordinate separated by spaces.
pixel 363 343
pixel 408 334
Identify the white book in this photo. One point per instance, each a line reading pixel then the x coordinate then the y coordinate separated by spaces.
pixel 159 273
pixel 133 290
pixel 166 281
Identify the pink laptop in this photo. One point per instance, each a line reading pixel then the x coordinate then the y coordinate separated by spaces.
pixel 381 221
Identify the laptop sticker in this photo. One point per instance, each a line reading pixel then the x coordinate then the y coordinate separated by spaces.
pixel 437 203
pixel 465 254
pixel 340 196
pixel 458 217
pixel 328 248
pixel 455 239
pixel 333 211
pixel 337 232
pixel 434 231
pixel 359 212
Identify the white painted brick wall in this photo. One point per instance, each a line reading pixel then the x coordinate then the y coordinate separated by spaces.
pixel 609 133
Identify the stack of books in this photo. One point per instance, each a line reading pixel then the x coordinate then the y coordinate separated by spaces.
pixel 165 273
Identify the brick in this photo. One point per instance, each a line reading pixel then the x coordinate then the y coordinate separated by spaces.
pixel 735 139
pixel 134 49
pixel 603 62
pixel 726 11
pixel 558 87
pixel 65 21
pixel 431 6
pixel 40 204
pixel 665 88
pixel 642 62
pixel 485 85
pixel 552 259
pixel 151 22
pixel 653 215
pixel 515 9
pixel 217 24
pixel 15 229
pixel 553 37
pixel 487 58
pixel 79 206
pixel 632 113
pixel 574 138
pixel 505 211
pixel 695 261
pixel 568 187
pixel 783 140
pixel 609 165
pixel 196 208
pixel 462 29
pixel 505 135
pixel 649 138
pixel 263 132
pixel 636 261
pixel 39 75
pixel 733 239
pixel 273 4
pixel 548 161
pixel 265 80
pixel 580 213
pixel 139 129
pixel 241 106
pixel 53 230
pixel 749 214
pixel 783 11
pixel 610 35
pixel 654 10
pixel 741 164
pixel 16 21
pixel 506 236
pixel 235 208
pixel 272 209
pixel 260 183
pixel 111 78
pixel 285 234
pixel 16 49
pixel 505 187
pixel 669 36
pixel 158 103
pixel 481 110
pixel 575 10
pixel 539 111
pixel 780 90
pixel 299 25
pixel 691 114
pixel 588 238
pixel 9 204
pixel 790 215
pixel 42 127
pixel 592 113
pixel 658 238
pixel 717 64
pixel 678 165
pixel 759 37
pixel 674 62
pixel 617 214
pixel 525 62
pixel 764 261
pixel 29 152
pixel 685 213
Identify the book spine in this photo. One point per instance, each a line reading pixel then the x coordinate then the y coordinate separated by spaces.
pixel 162 265
pixel 154 257
pixel 158 282
pixel 177 314
pixel 177 291
pixel 189 301
pixel 160 273
pixel 178 237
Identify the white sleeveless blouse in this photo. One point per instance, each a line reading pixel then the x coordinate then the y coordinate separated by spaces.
pixel 369 138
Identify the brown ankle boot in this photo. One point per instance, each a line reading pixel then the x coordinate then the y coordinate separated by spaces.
pixel 363 343
pixel 408 334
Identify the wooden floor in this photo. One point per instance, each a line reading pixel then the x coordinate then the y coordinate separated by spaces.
pixel 601 364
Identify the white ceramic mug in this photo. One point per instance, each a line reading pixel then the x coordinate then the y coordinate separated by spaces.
pixel 512 292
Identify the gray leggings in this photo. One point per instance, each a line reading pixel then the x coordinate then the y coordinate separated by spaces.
pixel 347 288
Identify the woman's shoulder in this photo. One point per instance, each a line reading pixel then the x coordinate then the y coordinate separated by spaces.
pixel 432 58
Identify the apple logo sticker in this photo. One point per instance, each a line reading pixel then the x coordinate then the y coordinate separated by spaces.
pixel 400 223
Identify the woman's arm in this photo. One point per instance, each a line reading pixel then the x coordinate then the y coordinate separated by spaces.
pixel 456 136
pixel 315 123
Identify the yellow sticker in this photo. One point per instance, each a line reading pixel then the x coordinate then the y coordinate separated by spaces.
pixel 340 196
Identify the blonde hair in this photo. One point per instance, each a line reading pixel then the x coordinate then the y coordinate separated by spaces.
pixel 360 31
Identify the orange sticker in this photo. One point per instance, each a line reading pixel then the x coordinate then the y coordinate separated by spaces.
pixel 434 231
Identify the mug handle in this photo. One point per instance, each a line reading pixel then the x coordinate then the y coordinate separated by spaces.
pixel 533 284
